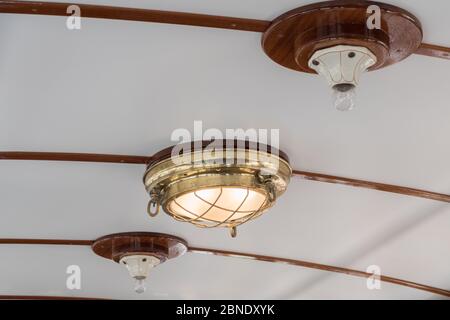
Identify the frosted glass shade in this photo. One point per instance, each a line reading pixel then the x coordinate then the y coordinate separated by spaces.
pixel 218 204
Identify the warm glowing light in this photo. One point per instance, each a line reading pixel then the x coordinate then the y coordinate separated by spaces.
pixel 218 204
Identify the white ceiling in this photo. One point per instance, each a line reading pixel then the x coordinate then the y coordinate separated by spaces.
pixel 123 87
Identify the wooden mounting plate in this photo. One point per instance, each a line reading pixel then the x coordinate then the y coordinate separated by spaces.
pixel 293 37
pixel 163 246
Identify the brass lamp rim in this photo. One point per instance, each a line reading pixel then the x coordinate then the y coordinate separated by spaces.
pixel 243 165
pixel 225 143
pixel 255 156
pixel 166 172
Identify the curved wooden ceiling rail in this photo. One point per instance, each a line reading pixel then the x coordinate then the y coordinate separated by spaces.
pixel 235 254
pixel 134 14
pixel 432 50
pixel 322 267
pixel 372 185
pixel 132 159
pixel 21 297
pixel 54 242
pixel 75 157
pixel 170 17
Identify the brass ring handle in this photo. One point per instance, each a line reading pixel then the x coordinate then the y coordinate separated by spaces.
pixel 233 231
pixel 271 190
pixel 153 204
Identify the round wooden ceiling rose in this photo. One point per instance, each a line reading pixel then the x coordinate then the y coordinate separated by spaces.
pixel 162 246
pixel 293 37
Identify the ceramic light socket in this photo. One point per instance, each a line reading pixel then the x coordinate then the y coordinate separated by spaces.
pixel 139 267
pixel 342 64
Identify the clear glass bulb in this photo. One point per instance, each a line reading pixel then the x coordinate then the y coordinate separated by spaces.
pixel 139 286
pixel 344 96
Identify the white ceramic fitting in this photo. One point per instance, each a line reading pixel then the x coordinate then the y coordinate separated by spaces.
pixel 342 67
pixel 139 267
pixel 342 64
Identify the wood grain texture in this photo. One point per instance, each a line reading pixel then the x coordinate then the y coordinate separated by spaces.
pixel 322 267
pixel 293 37
pixel 435 51
pixel 372 185
pixel 160 245
pixel 134 14
pixel 169 17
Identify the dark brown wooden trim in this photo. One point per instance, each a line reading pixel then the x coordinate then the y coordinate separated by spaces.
pixel 83 157
pixel 372 185
pixel 19 297
pixel 134 14
pixel 294 36
pixel 130 159
pixel 299 263
pixel 323 267
pixel 432 50
pixel 170 17
pixel 67 242
pixel 160 245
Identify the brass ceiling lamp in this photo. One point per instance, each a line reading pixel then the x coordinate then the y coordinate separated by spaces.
pixel 221 183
